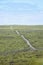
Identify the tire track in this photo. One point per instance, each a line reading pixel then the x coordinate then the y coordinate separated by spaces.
pixel 22 50
pixel 17 32
pixel 27 41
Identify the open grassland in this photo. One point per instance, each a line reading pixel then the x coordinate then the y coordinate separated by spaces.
pixel 23 27
pixel 9 41
pixel 15 51
pixel 22 58
pixel 35 38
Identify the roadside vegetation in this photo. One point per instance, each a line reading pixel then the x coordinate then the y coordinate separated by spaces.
pixel 35 38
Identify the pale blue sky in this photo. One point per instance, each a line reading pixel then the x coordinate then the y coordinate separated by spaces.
pixel 26 12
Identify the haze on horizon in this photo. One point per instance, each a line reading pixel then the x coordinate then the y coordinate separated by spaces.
pixel 21 12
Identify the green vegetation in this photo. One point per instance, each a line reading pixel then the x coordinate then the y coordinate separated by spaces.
pixel 15 51
pixel 9 41
pixel 35 38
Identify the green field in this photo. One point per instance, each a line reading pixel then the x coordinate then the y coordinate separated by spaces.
pixel 35 38
pixel 15 51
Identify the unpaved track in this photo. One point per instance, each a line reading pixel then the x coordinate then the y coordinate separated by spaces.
pixel 11 28
pixel 17 32
pixel 27 41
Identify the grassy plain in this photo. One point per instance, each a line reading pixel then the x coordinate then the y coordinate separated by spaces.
pixel 35 38
pixel 15 51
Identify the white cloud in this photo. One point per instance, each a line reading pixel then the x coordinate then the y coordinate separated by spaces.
pixel 20 18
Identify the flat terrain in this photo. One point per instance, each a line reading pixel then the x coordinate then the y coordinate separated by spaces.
pixel 35 38
pixel 9 41
pixel 14 50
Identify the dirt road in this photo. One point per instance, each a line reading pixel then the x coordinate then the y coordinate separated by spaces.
pixel 27 41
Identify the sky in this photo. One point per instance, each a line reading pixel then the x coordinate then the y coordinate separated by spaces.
pixel 21 12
